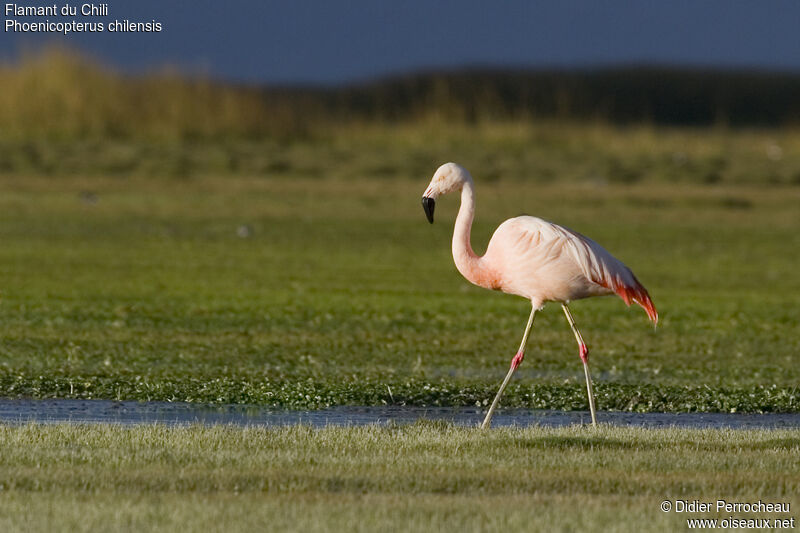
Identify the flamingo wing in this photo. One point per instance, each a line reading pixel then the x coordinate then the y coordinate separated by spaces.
pixel 594 261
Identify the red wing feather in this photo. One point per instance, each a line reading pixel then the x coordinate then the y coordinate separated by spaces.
pixel 633 293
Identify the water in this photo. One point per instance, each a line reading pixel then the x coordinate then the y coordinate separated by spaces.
pixel 179 413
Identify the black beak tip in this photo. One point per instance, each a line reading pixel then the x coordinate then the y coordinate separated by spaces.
pixel 428 204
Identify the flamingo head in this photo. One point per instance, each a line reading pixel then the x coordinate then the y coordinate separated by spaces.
pixel 447 178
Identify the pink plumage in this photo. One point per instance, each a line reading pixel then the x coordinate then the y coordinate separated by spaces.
pixel 543 262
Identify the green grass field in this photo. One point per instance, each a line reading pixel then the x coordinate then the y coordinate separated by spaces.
pixel 173 239
pixel 424 477
pixel 322 283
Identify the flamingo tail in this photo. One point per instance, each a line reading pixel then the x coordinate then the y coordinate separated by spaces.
pixel 635 293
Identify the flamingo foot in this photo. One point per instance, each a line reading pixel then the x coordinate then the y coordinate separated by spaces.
pixel 584 353
pixel 517 360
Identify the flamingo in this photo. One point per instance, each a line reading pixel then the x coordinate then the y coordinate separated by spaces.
pixel 535 259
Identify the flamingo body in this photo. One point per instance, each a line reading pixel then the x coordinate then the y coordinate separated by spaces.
pixel 545 262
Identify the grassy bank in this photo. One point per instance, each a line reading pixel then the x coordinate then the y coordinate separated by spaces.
pixel 541 153
pixel 421 477
pixel 306 292
pixel 62 114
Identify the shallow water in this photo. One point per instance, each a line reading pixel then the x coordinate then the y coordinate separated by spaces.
pixel 17 411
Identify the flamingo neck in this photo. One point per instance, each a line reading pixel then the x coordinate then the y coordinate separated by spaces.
pixel 467 262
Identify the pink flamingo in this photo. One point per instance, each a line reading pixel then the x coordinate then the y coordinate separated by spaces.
pixel 535 259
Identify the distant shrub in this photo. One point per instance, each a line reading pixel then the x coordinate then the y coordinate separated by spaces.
pixel 57 93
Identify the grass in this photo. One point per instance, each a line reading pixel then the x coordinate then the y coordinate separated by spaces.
pixel 545 152
pixel 427 476
pixel 54 93
pixel 65 115
pixel 305 290
pixel 164 239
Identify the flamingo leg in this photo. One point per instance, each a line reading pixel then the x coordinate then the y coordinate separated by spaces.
pixel 584 352
pixel 515 362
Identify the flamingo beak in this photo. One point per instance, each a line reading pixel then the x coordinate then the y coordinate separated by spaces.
pixel 428 204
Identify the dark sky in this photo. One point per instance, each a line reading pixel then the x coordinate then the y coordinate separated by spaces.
pixel 336 42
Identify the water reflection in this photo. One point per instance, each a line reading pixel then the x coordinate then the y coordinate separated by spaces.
pixel 17 411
